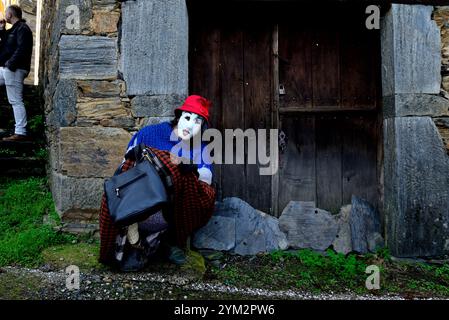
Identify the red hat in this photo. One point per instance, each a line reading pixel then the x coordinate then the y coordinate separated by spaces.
pixel 196 104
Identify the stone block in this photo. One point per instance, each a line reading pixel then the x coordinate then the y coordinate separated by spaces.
pixel 91 152
pixel 76 198
pixel 364 221
pixel 404 105
pixel 415 188
pixel 104 22
pixel 411 50
pixel 65 22
pixel 343 242
pixel 100 89
pixel 118 123
pixel 100 108
pixel 307 226
pixel 156 106
pixel 87 57
pixel 156 120
pixel 64 104
pixel 154 47
pixel 219 234
pixel 239 228
pixel 105 4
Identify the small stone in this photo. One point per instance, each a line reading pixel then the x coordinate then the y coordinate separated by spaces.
pixel 342 242
pixel 364 221
pixel 239 228
pixel 307 226
pixel 105 21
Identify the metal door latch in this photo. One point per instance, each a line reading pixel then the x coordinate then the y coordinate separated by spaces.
pixel 281 89
pixel 283 140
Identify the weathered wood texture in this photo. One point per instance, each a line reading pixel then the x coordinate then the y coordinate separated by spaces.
pixel 328 157
pixel 329 63
pixel 230 63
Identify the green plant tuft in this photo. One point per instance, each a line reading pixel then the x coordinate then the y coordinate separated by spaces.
pixel 23 236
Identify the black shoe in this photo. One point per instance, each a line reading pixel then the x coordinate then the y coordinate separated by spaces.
pixel 134 260
pixel 17 138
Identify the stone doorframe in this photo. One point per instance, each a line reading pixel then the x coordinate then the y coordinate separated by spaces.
pixel 416 166
pixel 147 41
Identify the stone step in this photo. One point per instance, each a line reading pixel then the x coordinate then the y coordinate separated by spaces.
pixel 22 166
pixel 17 149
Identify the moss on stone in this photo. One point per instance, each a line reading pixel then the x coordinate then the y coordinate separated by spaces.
pixel 83 255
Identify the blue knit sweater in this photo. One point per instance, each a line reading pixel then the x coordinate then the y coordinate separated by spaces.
pixel 158 136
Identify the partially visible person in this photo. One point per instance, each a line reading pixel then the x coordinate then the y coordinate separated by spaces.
pixel 15 63
pixel 194 196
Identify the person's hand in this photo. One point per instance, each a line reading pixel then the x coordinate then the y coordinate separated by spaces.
pixel 2 24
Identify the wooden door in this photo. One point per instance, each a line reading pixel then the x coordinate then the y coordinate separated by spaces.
pixel 329 69
pixel 231 64
pixel 328 64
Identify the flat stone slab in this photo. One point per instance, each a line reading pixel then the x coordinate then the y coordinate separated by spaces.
pixel 416 192
pixel 77 198
pixel 87 57
pixel 154 47
pixel 364 222
pixel 156 106
pixel 239 228
pixel 343 241
pixel 91 152
pixel 307 226
pixel 219 234
pixel 411 50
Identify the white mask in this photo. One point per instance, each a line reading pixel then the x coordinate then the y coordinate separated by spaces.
pixel 189 125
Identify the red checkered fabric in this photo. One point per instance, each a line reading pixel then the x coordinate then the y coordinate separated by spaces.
pixel 194 202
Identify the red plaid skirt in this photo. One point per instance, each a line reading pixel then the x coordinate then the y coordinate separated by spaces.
pixel 194 202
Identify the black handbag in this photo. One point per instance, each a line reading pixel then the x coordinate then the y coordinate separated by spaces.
pixel 137 193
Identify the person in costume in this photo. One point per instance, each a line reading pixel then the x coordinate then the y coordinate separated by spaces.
pixel 194 196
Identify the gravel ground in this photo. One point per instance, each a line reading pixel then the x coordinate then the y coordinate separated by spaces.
pixel 23 283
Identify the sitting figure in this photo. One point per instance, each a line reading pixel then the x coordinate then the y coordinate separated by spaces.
pixel 194 197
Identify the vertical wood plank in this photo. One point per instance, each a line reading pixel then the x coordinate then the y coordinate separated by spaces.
pixel 328 162
pixel 326 68
pixel 232 96
pixel 257 97
pixel 358 67
pixel 275 114
pixel 204 79
pixel 297 165
pixel 295 65
pixel 359 158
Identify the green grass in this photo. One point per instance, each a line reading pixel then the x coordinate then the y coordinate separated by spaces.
pixel 83 255
pixel 23 236
pixel 333 272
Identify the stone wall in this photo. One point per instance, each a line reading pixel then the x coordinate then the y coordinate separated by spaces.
pixel 125 66
pixel 441 16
